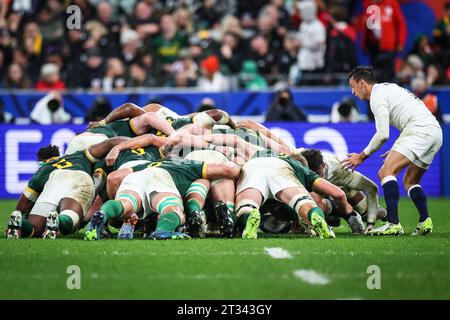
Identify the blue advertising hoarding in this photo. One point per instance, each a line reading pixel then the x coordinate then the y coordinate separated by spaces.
pixel 19 145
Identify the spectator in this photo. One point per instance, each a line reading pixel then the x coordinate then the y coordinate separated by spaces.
pixel 231 53
pixel 99 110
pixel 247 11
pixel 168 44
pixel 142 73
pixel 144 20
pixel 91 72
pixel 383 38
pixel 249 78
pixel 413 68
pixel 287 57
pixel 109 43
pixel 268 25
pixel 206 16
pixel 283 108
pixel 265 58
pixel 442 41
pixel 183 19
pixel 51 23
pixel 130 41
pixel 185 70
pixel 50 78
pixel 345 111
pixel 114 76
pixel 16 78
pixel 212 79
pixel 312 41
pixel 420 88
pixel 50 110
pixel 341 38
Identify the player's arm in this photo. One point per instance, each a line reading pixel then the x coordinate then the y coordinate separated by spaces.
pixel 227 170
pixel 244 149
pixel 127 110
pixel 143 141
pixel 207 119
pixel 24 205
pixel 326 188
pixel 261 129
pixel 152 107
pixel 100 150
pixel 183 140
pixel 151 120
pixel 381 115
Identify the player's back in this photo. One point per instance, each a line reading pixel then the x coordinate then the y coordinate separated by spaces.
pixel 403 106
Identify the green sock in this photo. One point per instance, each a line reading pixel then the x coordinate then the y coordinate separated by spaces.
pixel 26 228
pixel 65 224
pixel 112 209
pixel 168 222
pixel 242 221
pixel 191 206
pixel 315 210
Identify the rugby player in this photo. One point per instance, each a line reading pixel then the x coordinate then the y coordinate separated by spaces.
pixel 419 141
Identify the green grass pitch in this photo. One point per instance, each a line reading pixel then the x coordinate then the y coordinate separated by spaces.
pixel 410 267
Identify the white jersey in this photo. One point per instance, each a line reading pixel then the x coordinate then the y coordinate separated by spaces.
pixel 396 106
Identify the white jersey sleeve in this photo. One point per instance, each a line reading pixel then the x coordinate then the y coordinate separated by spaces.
pixel 380 111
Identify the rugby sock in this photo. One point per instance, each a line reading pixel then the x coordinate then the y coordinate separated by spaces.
pixel 112 209
pixel 192 205
pixel 242 221
pixel 65 224
pixel 168 222
pixel 26 229
pixel 420 201
pixel 391 196
pixel 315 210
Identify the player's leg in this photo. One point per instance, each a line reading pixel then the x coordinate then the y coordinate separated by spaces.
pixel 115 179
pixel 34 225
pixel 126 203
pixel 222 194
pixel 66 222
pixel 248 217
pixel 301 201
pixel 395 162
pixel 170 209
pixel 194 203
pixel 411 182
pixel 24 206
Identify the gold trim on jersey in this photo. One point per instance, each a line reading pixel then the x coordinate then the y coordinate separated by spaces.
pixel 90 157
pixel 30 194
pixel 134 129
pixel 204 169
pixel 315 182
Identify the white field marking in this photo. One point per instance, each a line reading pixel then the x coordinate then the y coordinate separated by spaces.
pixel 278 253
pixel 311 277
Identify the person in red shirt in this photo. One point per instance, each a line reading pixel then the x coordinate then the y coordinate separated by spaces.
pixel 384 34
pixel 50 78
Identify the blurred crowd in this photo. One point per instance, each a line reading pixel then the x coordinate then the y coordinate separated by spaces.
pixel 213 45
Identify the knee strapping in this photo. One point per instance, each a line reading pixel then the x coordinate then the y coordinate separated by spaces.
pixel 169 201
pixel 197 188
pixel 246 206
pixel 129 197
pixel 361 206
pixel 299 200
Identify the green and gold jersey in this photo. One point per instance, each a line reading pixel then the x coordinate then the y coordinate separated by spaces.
pixel 183 172
pixel 245 134
pixel 306 176
pixel 149 153
pixel 75 161
pixel 120 128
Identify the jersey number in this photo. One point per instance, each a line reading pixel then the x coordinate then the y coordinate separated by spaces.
pixel 138 151
pixel 62 164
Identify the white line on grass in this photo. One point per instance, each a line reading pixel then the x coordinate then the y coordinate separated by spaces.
pixel 278 253
pixel 311 277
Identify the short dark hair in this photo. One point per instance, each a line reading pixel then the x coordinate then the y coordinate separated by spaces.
pixel 363 73
pixel 47 152
pixel 314 158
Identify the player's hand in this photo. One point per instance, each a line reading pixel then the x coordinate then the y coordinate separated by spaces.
pixel 227 151
pixel 112 156
pixel 353 160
